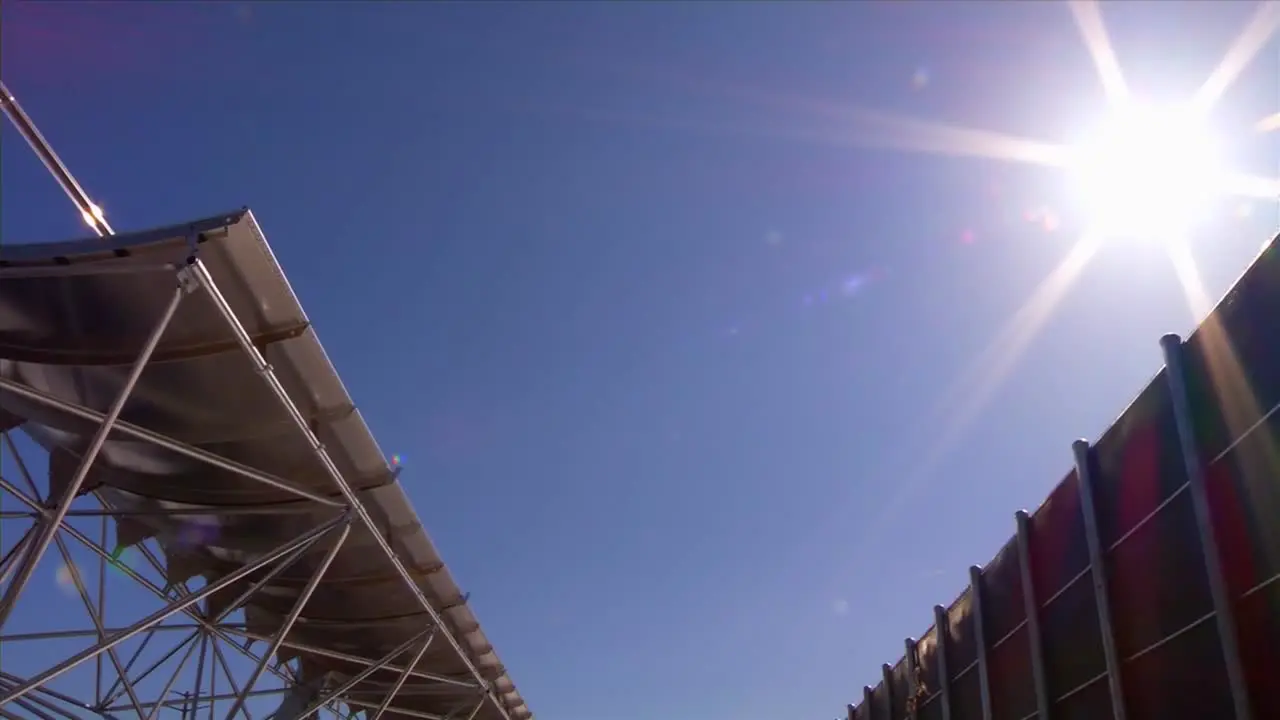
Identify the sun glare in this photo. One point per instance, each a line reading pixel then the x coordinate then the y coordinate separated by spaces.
pixel 1148 173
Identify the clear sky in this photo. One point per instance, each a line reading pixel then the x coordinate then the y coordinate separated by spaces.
pixel 684 353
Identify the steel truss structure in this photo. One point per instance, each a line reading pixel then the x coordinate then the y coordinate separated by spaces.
pixel 174 436
pixel 1148 584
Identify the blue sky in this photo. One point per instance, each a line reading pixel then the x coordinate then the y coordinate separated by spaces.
pixel 663 336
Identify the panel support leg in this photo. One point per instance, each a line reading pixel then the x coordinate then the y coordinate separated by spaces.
pixel 940 626
pixel 980 639
pixel 886 677
pixel 1035 641
pixel 1223 610
pixel 915 688
pixel 1098 572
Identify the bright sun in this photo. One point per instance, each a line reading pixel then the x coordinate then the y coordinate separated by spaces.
pixel 1148 173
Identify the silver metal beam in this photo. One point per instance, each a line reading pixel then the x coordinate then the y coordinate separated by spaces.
pixel 913 690
pixel 268 375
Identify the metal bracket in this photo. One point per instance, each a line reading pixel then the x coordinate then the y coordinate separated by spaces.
pixel 187 279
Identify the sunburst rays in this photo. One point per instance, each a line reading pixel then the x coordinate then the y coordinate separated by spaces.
pixel 969 393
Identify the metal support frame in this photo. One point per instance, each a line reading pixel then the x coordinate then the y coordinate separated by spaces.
pixel 980 639
pixel 940 624
pixel 1224 612
pixel 1035 641
pixel 913 688
pixel 201 642
pixel 1083 455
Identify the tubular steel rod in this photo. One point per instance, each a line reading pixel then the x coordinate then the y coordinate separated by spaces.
pixel 269 376
pixel 1224 613
pixel 51 525
pixel 1032 610
pixel 980 639
pixel 45 152
pixel 940 625
pixel 1083 453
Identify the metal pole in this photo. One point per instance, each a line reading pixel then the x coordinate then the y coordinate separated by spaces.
pixel 269 376
pixel 980 639
pixel 1224 613
pixel 886 677
pixel 940 625
pixel 165 613
pixel 913 690
pixel 404 676
pixel 1098 571
pixel 50 528
pixel 1032 609
pixel 51 161
pixel 298 606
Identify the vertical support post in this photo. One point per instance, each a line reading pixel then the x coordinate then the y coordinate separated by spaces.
pixel 1223 612
pixel 886 676
pixel 980 639
pixel 913 690
pixel 1032 608
pixel 54 522
pixel 1098 571
pixel 867 701
pixel 940 624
